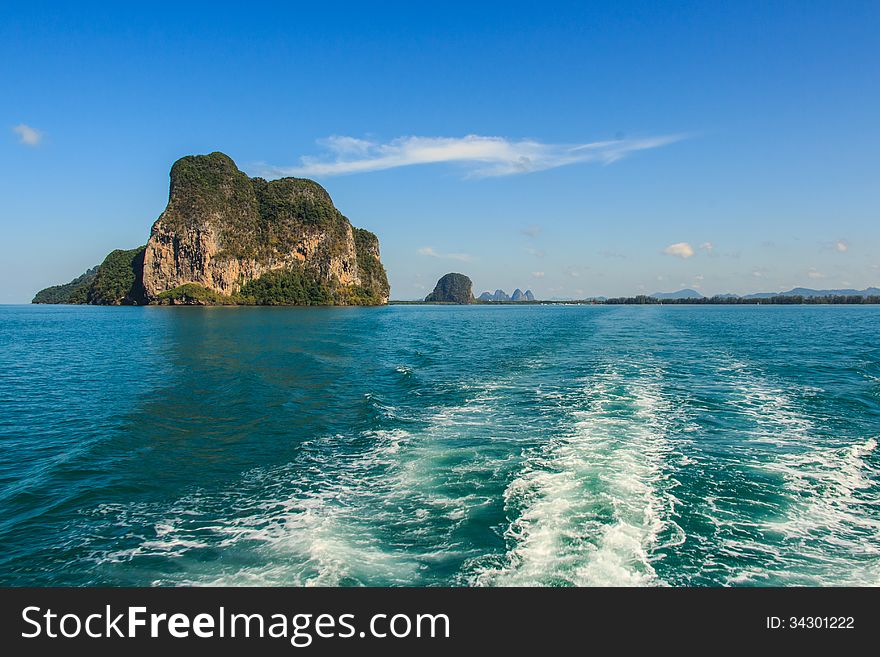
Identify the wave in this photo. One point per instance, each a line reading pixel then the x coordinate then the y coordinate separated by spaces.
pixel 639 474
pixel 594 504
pixel 820 525
pixel 381 507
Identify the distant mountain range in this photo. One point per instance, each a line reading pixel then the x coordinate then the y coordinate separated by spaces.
pixel 501 295
pixel 794 292
pixel 441 294
pixel 681 294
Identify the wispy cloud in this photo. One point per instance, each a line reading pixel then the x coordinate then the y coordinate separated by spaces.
pixel 532 231
pixel 679 250
pixel 481 156
pixel 538 274
pixel 27 135
pixel 431 252
pixel 815 274
pixel 841 246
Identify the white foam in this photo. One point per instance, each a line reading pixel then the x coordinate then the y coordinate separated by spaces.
pixel 380 515
pixel 824 530
pixel 590 506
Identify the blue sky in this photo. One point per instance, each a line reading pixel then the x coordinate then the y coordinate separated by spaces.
pixel 575 149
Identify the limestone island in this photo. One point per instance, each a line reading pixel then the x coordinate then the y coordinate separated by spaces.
pixel 458 288
pixel 227 239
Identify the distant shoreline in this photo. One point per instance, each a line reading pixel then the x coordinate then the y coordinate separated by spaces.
pixel 837 300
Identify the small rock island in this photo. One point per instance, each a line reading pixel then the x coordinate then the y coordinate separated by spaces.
pixel 458 288
pixel 225 239
pixel 518 296
pixel 452 288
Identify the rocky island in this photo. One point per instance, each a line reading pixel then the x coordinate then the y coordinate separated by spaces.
pixel 226 238
pixel 452 288
pixel 458 288
pixel 501 296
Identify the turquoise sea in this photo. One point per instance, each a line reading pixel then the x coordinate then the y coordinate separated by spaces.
pixel 436 445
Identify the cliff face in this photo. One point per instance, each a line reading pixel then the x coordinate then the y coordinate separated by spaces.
pixel 222 230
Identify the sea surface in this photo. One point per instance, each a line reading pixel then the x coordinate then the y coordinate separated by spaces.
pixel 438 445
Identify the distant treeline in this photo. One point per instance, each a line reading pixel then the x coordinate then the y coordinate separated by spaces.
pixel 734 301
pixel 643 300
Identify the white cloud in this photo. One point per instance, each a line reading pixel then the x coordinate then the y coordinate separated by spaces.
pixel 27 135
pixel 841 246
pixel 482 156
pixel 814 274
pixel 538 274
pixel 679 250
pixel 532 231
pixel 347 145
pixel 538 253
pixel 708 247
pixel 429 251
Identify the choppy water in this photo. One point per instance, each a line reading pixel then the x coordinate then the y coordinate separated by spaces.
pixel 420 445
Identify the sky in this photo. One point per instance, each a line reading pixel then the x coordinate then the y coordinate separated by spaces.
pixel 574 149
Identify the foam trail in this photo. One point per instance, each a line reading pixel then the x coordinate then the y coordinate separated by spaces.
pixel 825 530
pixel 590 506
pixel 299 519
pixel 384 515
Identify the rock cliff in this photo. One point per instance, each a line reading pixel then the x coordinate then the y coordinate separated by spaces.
pixel 221 230
pixel 227 238
pixel 452 288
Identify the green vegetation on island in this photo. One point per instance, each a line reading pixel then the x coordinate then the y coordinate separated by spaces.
pixel 296 286
pixel 76 291
pixel 452 288
pixel 118 280
pixel 115 282
pixel 193 294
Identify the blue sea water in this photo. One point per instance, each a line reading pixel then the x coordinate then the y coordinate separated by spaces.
pixel 436 445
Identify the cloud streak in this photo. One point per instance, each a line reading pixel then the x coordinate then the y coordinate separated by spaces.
pixel 431 252
pixel 480 156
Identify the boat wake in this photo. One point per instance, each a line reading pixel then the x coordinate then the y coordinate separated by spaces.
pixel 821 520
pixel 594 505
pixel 380 509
